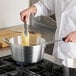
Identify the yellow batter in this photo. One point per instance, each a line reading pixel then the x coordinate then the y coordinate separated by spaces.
pixel 25 39
pixel 30 39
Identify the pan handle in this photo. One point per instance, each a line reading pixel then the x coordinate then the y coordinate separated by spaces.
pixel 6 41
pixel 51 42
pixel 54 41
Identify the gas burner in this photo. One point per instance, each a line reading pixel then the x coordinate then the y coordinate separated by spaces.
pixel 20 63
pixel 27 64
pixel 8 67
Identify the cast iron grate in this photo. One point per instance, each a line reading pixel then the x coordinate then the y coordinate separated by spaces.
pixel 8 67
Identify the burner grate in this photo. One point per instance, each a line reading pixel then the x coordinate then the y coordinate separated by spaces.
pixel 1 63
pixel 2 72
pixel 8 67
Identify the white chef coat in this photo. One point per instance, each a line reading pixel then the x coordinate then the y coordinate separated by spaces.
pixel 65 11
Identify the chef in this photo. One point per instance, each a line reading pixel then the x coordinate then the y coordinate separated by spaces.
pixel 65 12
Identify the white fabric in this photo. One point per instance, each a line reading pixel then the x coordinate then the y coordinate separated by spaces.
pixel 65 11
pixel 43 7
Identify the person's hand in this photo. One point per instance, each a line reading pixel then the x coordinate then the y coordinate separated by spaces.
pixel 24 15
pixel 71 37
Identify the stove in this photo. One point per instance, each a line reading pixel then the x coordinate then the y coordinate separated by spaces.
pixel 8 67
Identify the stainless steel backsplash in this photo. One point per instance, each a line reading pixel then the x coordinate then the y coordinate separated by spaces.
pixel 50 21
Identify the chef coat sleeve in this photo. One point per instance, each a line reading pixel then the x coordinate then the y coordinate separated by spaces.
pixel 45 7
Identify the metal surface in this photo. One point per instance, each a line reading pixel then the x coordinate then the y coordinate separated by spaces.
pixel 69 67
pixel 25 29
pixel 47 31
pixel 27 54
pixel 51 58
pixel 70 63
